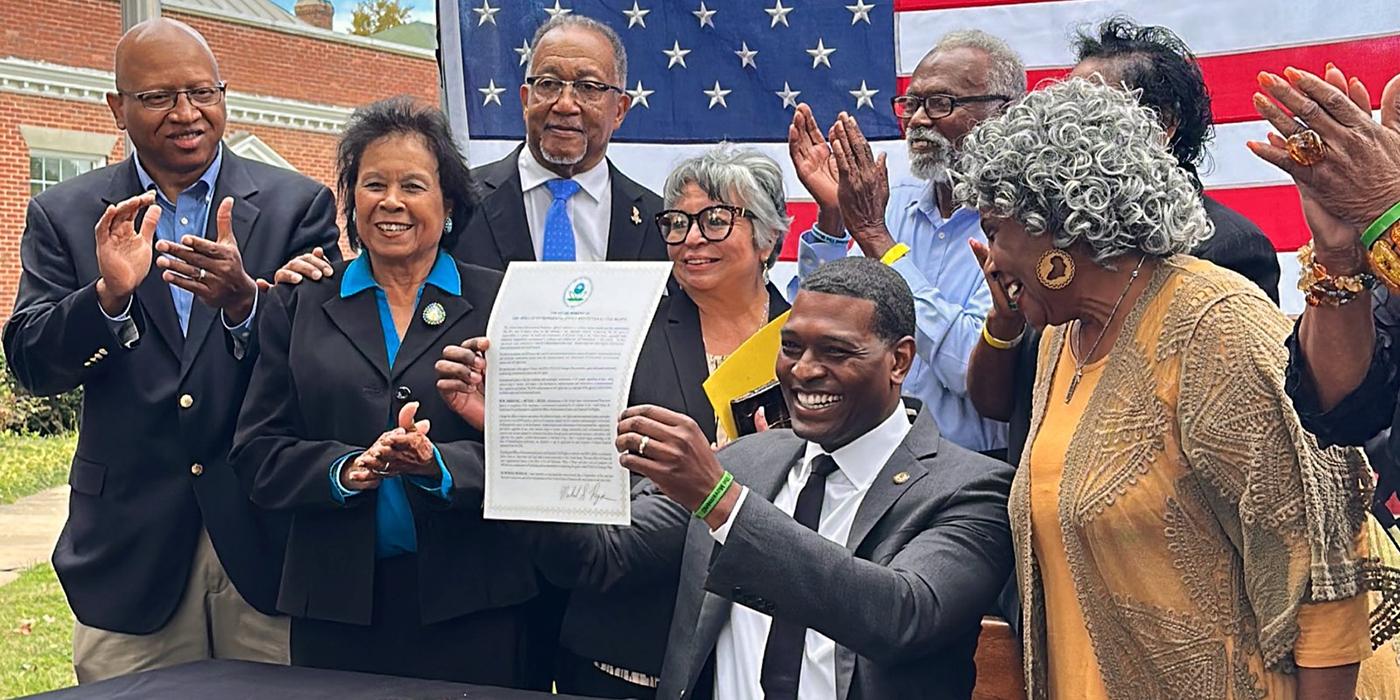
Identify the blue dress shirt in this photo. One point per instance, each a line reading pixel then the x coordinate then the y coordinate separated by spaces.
pixel 951 301
pixel 393 526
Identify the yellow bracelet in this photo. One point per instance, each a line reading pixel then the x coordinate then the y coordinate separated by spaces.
pixel 1000 344
pixel 895 252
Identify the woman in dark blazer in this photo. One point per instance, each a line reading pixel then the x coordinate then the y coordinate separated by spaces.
pixel 389 566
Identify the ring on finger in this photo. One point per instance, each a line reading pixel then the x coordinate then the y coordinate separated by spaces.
pixel 1306 147
pixel 202 274
pixel 642 446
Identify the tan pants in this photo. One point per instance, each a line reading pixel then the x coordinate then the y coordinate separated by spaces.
pixel 212 621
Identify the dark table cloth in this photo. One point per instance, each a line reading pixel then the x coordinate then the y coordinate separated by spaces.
pixel 244 680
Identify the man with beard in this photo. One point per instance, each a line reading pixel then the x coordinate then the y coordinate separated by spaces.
pixel 913 225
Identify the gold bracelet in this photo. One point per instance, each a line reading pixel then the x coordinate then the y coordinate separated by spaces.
pixel 1000 344
pixel 1384 256
pixel 1320 288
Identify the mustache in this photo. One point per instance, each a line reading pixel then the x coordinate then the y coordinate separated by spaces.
pixel 928 133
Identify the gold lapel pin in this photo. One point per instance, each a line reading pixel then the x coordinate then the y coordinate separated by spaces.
pixel 434 314
pixel 900 478
pixel 636 217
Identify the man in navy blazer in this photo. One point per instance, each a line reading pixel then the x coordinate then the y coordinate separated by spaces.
pixel 163 558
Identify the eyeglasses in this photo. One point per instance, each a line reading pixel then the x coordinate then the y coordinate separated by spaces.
pixel 162 100
pixel 716 223
pixel 546 89
pixel 936 106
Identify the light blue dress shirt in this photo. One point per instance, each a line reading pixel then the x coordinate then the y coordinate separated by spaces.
pixel 951 301
pixel 393 526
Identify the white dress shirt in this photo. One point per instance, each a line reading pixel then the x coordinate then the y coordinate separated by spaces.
pixel 739 650
pixel 590 209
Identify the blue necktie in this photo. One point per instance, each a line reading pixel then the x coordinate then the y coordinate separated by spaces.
pixel 558 230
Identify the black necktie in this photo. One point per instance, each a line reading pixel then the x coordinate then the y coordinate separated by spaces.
pixel 782 656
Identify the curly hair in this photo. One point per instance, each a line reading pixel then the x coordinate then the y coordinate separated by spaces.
pixel 1084 162
pixel 1155 61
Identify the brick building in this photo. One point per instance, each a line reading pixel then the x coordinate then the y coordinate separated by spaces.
pixel 291 87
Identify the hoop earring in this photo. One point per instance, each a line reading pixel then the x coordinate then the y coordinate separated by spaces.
pixel 1055 269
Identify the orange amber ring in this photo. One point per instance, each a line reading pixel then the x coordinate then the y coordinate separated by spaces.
pixel 1306 147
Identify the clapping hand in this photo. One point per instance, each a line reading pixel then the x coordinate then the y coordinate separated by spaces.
pixel 403 451
pixel 123 253
pixel 211 270
pixel 863 187
pixel 816 168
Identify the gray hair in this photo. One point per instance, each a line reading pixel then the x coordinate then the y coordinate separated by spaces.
pixel 744 178
pixel 1086 163
pixel 590 24
pixel 1007 75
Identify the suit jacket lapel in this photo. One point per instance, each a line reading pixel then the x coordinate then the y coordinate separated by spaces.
pixel 153 292
pixel 234 182
pixel 357 317
pixel 921 443
pixel 420 336
pixel 628 230
pixel 505 209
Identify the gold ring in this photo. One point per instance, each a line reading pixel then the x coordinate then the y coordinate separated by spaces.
pixel 1306 147
pixel 642 446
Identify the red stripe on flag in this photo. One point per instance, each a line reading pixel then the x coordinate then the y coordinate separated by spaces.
pixel 1274 209
pixel 912 5
pixel 803 214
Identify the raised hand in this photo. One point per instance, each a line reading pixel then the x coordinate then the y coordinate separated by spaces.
pixel 1005 320
pixel 211 270
pixel 313 265
pixel 863 187
pixel 816 167
pixel 462 380
pixel 124 253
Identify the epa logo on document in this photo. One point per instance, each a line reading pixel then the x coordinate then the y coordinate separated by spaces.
pixel 578 291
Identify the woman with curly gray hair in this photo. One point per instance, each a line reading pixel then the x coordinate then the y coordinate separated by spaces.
pixel 1177 533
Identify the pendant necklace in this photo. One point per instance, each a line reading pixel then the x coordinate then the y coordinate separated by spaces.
pixel 1079 363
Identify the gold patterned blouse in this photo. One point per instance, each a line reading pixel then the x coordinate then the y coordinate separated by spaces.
pixel 1196 515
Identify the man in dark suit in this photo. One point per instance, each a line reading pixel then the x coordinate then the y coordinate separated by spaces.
pixel 861 550
pixel 557 196
pixel 163 558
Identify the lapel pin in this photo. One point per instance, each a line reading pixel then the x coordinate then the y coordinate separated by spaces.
pixel 434 314
pixel 636 217
pixel 900 478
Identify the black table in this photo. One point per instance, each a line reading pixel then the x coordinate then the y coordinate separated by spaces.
pixel 245 680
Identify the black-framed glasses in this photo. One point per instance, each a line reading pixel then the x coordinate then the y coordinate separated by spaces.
pixel 716 222
pixel 543 88
pixel 162 100
pixel 936 106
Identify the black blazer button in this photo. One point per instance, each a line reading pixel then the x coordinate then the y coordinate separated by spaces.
pixel 403 393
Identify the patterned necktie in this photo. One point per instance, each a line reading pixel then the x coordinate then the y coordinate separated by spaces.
pixel 558 230
pixel 782 656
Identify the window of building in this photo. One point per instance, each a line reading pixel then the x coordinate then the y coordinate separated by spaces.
pixel 49 169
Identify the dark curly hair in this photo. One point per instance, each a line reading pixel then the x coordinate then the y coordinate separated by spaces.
pixel 402 115
pixel 1155 61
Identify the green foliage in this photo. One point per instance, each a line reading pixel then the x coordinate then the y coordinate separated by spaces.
pixel 33 463
pixel 22 412
pixel 36 635
pixel 374 16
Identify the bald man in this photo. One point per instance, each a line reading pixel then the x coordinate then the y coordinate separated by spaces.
pixel 139 286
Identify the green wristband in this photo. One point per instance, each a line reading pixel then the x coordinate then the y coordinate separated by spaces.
pixel 1380 226
pixel 715 496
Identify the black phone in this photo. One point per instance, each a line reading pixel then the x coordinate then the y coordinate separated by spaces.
pixel 769 397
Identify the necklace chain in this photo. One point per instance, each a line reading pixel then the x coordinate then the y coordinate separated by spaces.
pixel 1082 359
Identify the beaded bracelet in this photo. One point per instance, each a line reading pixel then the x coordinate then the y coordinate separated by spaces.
pixel 716 494
pixel 1323 289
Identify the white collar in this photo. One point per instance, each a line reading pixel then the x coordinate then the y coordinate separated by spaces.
pixel 593 181
pixel 862 458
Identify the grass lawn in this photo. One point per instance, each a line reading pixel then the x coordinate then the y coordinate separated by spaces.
pixel 32 463
pixel 36 635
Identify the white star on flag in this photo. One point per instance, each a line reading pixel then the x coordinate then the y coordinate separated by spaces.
pixel 717 96
pixel 704 14
pixel 557 10
pixel 789 96
pixel 820 54
pixel 639 95
pixel 492 93
pixel 636 16
pixel 863 96
pixel 746 56
pixel 860 11
pixel 485 13
pixel 779 14
pixel 676 54
pixel 524 52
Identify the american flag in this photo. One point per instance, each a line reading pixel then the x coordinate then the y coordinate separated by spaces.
pixel 705 71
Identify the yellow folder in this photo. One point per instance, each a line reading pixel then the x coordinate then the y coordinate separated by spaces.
pixel 749 367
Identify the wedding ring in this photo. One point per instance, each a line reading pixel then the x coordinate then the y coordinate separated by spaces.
pixel 642 446
pixel 202 274
pixel 1306 147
